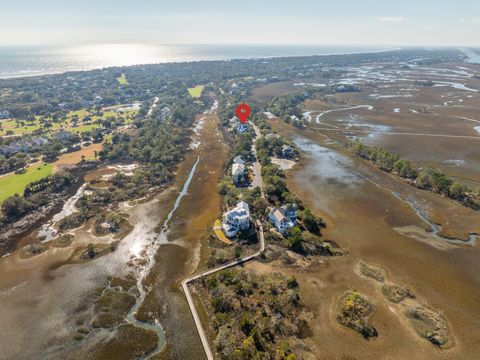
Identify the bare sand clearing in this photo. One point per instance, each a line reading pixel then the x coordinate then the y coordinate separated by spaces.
pixel 285 164
pixel 71 159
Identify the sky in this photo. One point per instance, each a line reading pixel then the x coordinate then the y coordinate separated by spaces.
pixel 333 22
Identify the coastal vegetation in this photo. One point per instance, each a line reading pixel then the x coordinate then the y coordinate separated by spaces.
pixel 254 316
pixel 423 177
pixel 426 321
pixel 429 324
pixel 288 107
pixel 354 310
pixel 26 97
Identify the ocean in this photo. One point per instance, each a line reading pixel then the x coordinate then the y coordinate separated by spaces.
pixel 30 61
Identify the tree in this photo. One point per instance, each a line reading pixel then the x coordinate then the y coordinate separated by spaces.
pixel 15 207
pixel 90 251
pixel 260 205
pixel 457 191
pixel 246 323
pixel 310 222
pixel 294 238
pixel 292 282
pixel 248 348
pixel 404 169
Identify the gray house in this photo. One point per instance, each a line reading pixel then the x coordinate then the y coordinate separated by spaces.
pixel 283 218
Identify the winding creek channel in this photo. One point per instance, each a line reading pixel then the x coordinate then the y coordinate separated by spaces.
pixel 338 167
pixel 152 249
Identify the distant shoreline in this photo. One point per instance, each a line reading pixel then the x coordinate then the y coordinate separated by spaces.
pixel 61 61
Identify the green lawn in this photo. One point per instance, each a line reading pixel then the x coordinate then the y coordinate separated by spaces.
pixel 82 128
pixel 31 126
pixel 196 91
pixel 122 80
pixel 13 183
pixel 11 124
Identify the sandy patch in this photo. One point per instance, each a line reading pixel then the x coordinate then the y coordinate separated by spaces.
pixel 285 164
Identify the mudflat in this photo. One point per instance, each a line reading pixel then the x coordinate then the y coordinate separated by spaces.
pixel 362 217
pixel 186 249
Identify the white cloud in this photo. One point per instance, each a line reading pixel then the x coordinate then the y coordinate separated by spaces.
pixel 391 19
pixel 470 20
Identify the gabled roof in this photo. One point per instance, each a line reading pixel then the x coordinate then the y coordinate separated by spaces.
pixel 283 213
pixel 243 205
pixel 238 160
pixel 279 214
pixel 238 169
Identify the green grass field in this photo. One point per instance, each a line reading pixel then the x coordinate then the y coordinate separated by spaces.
pixel 31 126
pixel 82 128
pixel 13 183
pixel 122 80
pixel 11 124
pixel 196 91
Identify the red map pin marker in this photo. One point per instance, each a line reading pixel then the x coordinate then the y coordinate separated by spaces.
pixel 242 112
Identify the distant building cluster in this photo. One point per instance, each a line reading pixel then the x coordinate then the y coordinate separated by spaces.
pixel 22 146
pixel 4 114
pixel 33 143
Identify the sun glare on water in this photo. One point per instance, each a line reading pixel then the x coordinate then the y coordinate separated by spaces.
pixel 105 55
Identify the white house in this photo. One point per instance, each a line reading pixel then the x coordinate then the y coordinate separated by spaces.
pixel 283 218
pixel 165 112
pixel 236 219
pixel 238 160
pixel 234 122
pixel 242 128
pixel 238 173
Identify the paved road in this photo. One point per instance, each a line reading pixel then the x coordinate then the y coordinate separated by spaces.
pixel 257 169
pixel 154 105
pixel 191 304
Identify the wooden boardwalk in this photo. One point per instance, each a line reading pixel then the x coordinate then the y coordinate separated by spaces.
pixel 191 303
